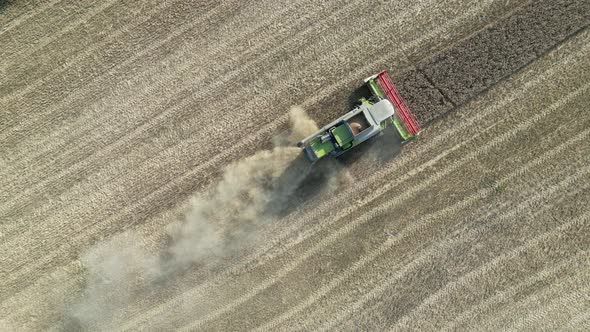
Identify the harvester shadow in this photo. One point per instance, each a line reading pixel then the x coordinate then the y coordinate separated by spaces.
pixel 300 183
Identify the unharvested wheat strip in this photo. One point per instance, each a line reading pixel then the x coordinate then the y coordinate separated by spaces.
pixel 421 223
pixel 95 11
pixel 283 119
pixel 478 116
pixel 27 16
pixel 394 202
pixel 502 296
pixel 55 138
pixel 423 258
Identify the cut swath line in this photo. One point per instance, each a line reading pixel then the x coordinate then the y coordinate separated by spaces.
pixel 283 119
pixel 423 258
pixel 83 55
pixel 159 310
pixel 178 298
pixel 409 193
pixel 504 295
pixel 95 11
pixel 544 298
pixel 27 16
pixel 200 93
pixel 419 224
pixel 182 29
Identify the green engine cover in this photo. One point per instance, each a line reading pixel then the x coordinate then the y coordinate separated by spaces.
pixel 343 136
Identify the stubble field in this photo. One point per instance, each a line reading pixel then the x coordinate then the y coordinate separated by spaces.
pixel 118 210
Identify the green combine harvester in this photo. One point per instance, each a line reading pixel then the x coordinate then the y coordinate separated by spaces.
pixel 373 114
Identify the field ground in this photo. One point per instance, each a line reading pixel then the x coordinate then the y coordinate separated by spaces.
pixel 114 114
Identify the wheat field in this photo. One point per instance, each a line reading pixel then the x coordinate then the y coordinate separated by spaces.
pixel 148 182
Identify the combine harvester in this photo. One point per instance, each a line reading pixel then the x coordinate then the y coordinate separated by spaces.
pixel 372 115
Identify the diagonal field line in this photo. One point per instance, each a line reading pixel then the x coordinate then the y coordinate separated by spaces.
pixel 283 119
pixel 296 220
pixel 419 224
pixel 556 291
pixel 539 240
pixel 150 123
pixel 544 274
pixel 515 252
pixel 88 15
pixel 485 268
pixel 182 29
pixel 409 193
pixel 83 55
pixel 18 21
pixel 160 308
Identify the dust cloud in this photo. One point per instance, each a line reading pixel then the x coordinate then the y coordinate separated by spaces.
pixel 221 223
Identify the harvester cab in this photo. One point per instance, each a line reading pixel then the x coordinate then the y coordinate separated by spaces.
pixel 370 117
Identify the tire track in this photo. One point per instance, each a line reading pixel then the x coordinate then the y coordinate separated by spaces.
pixel 447 134
pixel 394 202
pixel 23 18
pixel 544 296
pixel 502 297
pixel 283 119
pixel 189 26
pixel 196 94
pixel 16 126
pixel 129 208
pixel 424 222
pixel 483 270
pixel 55 142
pixel 88 15
pixel 423 259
